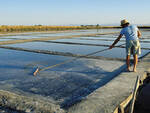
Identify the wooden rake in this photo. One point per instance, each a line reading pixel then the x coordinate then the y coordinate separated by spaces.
pixel 67 61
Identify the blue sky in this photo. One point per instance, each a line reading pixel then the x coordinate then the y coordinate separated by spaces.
pixel 73 12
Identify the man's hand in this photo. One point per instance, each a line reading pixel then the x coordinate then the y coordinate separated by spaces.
pixel 110 47
pixel 139 34
pixel 116 41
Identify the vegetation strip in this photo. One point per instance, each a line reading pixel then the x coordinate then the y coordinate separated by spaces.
pixel 21 28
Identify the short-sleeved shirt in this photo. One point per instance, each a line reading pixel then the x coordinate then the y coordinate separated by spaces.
pixel 130 32
pixel 132 40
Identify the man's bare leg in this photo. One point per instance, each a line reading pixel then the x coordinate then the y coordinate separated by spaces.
pixel 128 62
pixel 135 62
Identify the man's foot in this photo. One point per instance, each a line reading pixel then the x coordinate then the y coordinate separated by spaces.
pixel 134 70
pixel 128 70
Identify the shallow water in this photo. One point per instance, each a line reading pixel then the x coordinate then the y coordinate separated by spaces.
pixel 21 37
pixel 2 39
pixel 48 34
pixel 145 34
pixel 75 49
pixel 107 36
pixel 145 45
pixel 79 49
pixel 80 32
pixel 118 53
pixel 100 42
pixel 95 38
pixel 66 82
pixel 147 39
pixel 60 34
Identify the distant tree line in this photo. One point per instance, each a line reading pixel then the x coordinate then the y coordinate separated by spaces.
pixel 22 28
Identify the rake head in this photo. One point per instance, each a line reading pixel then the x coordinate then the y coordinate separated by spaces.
pixel 36 71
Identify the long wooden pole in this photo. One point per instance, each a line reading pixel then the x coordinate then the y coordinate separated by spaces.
pixel 134 95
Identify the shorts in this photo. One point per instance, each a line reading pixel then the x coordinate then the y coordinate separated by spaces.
pixel 133 47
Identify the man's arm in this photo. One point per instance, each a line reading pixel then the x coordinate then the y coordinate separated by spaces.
pixel 139 34
pixel 116 41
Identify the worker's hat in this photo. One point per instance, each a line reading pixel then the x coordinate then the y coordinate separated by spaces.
pixel 124 22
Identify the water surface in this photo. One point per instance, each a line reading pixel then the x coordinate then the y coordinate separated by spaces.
pixel 67 82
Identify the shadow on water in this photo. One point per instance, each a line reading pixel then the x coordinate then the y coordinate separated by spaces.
pixel 81 94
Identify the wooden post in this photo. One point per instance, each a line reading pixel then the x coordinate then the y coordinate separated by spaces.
pixel 134 95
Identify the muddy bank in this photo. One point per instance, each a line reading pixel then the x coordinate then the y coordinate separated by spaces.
pixel 142 102
pixel 9 110
pixel 113 94
pixel 27 104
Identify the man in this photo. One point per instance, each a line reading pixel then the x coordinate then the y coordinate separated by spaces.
pixel 132 35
